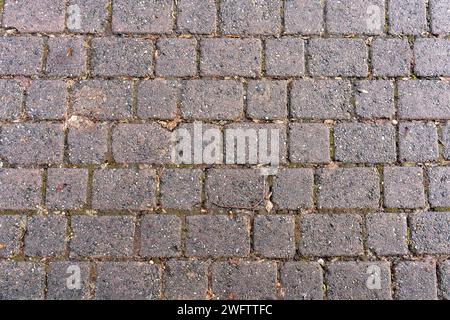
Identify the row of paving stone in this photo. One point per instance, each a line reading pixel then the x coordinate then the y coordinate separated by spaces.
pixel 220 236
pixel 210 237
pixel 75 56
pixel 231 17
pixel 182 189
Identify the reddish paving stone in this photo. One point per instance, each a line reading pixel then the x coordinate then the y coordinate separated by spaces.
pixel 28 63
pixel 128 281
pixel 160 236
pixel 11 98
pixel 87 16
pixel 47 100
pixel 122 189
pixel 66 189
pixel 35 16
pixel 32 143
pixel 102 100
pixel 46 236
pixel 66 57
pixel 11 230
pixel 21 189
pixel 244 280
pixel 87 142
pixel 102 236
pixel 176 58
pixel 416 280
pixel 144 16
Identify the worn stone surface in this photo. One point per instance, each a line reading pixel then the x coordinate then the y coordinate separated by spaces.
pixel 293 189
pixel 196 16
pixel 160 236
pixel 418 142
pixel 430 232
pixel 387 233
pixel 66 57
pixel 267 100
pixel 375 99
pixel 302 281
pixel 47 100
pixel 407 17
pixel 22 280
pixel 11 97
pixel 285 57
pixel 391 57
pixel 59 274
pixel 303 17
pixel 11 230
pixel 274 236
pixel 416 280
pixel 404 187
pixel 46 236
pixel 186 280
pixel 432 57
pixel 21 189
pixel 28 63
pixel 66 188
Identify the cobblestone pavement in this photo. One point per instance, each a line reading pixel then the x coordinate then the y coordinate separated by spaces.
pixel 92 205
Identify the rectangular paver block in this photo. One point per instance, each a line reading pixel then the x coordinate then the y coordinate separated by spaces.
pixel 285 57
pixel 11 98
pixel 66 57
pixel 391 57
pixel 102 236
pixel 231 57
pixel 244 280
pixel 331 235
pixel 338 57
pixel 176 58
pixel 66 188
pixel 309 143
pixel 407 17
pixel 160 236
pixel 21 189
pixel 196 16
pixel 181 188
pixel 430 232
pixel 62 281
pixel 46 236
pixel 12 228
pixel 128 281
pixel 217 236
pixel 47 100
pixel 22 280
pixel 302 281
pixel 418 142
pixel 87 141
pixel 446 140
pixel 274 236
pixel 439 186
pixel 293 189
pixel 349 188
pixel 359 281
pixel 440 11
pixel 186 280
pixel 387 233
pixel 267 100
pixel 303 17
pixel 158 99
pixel 444 272
pixel 365 143
pixel 29 61
pixel 375 99
pixel 432 57
pixel 404 187
pixel 87 16
pixel 416 280
pixel 120 189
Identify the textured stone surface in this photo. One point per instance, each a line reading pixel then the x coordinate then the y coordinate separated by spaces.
pixel 285 57
pixel 66 57
pixel 60 275
pixel 267 100
pixel 432 57
pixel 87 142
pixel 20 189
pixel 391 57
pixel 46 236
pixel 302 281
pixel 375 99
pixel 416 280
pixel 11 97
pixel 309 143
pixel 22 280
pixel 439 187
pixel 404 187
pixel 439 11
pixel 11 230
pixel 28 63
pixel 47 100
pixel 274 236
pixel 176 58
pixel 387 233
pixel 293 189
pixel 303 17
pixel 430 232
pixel 157 99
pixel 196 16
pixel 93 13
pixel 418 142
pixel 66 188
pixel 407 17
pixel 181 189
pixel 160 236
pixel 186 280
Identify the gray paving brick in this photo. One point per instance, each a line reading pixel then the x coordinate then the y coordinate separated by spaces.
pixel 430 232
pixel 444 276
pixel 120 189
pixel 186 280
pixel 424 99
pixel 267 100
pixel 309 143
pixel 231 57
pixel 21 189
pixel 122 57
pixel 416 280
pixel 34 16
pixel 386 233
pixel 404 187
pixel 102 100
pixel 176 58
pixel 446 140
pixel 158 99
pixel 321 99
pixel 331 235
pixel 285 57
pixel 28 63
pixel 196 16
pixel 302 281
pixel 141 143
pixel 217 236
pixel 375 99
pixel 355 17
pixel 391 57
pixel 47 100
pixel 236 188
pixel 102 236
pixel 418 142
pixel 66 57
pixel 66 188
pixel 440 11
pixel 215 100
pixel 88 16
pixel 338 57
pixel 87 142
pixel 274 236
pixel 32 143
pixel 365 143
pixel 349 188
pixel 128 281
pixel 62 284
pixel 181 189
pixel 244 280
pixel 439 188
pixel 259 17
pixel 293 189
pixel 160 236
pixel 145 16
pixel 352 280
pixel 11 231
pixel 432 57
pixel 11 97
pixel 22 280
pixel 46 236
pixel 407 17
pixel 303 17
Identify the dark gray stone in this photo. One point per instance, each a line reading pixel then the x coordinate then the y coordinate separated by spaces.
pixel 274 236
pixel 46 236
pixel 416 280
pixel 22 280
pixel 160 236
pixel 66 189
pixel 430 232
pixel 391 57
pixel 302 281
pixel 386 233
pixel 418 142
pixel 404 187
pixel 375 99
pixel 186 280
pixel 285 57
pixel 293 189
